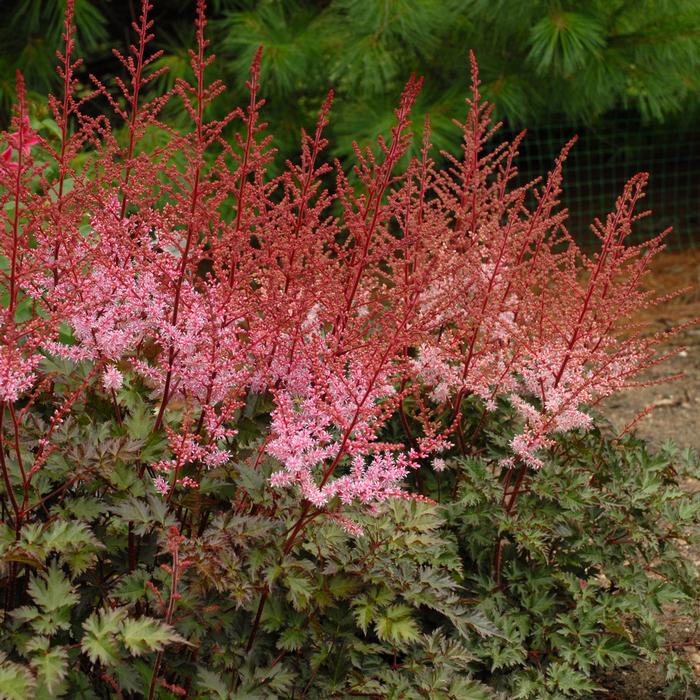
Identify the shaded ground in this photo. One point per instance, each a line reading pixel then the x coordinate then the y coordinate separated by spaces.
pixel 676 417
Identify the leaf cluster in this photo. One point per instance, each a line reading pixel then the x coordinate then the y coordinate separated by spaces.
pixel 590 563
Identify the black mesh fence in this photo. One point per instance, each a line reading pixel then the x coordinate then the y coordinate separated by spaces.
pixel 606 156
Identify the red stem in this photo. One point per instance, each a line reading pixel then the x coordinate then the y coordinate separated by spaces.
pixel 190 225
pixel 6 474
pixel 175 573
pixel 136 83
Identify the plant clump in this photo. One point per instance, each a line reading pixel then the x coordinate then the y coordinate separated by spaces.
pixel 316 433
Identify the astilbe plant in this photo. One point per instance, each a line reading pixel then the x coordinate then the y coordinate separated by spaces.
pixel 184 273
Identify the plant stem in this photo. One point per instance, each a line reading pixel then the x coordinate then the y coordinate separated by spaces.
pixel 175 573
pixel 508 501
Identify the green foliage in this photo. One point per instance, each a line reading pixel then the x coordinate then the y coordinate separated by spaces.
pixel 539 59
pixel 100 640
pixel 30 33
pixel 589 562
pixel 562 42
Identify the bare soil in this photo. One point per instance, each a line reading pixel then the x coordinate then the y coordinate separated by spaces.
pixel 676 417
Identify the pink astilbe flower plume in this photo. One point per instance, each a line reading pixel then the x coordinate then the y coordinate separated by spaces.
pixel 341 301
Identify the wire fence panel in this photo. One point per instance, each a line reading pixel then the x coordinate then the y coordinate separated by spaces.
pixel 606 156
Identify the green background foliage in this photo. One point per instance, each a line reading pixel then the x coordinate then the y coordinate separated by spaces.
pixel 539 59
pixel 622 74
